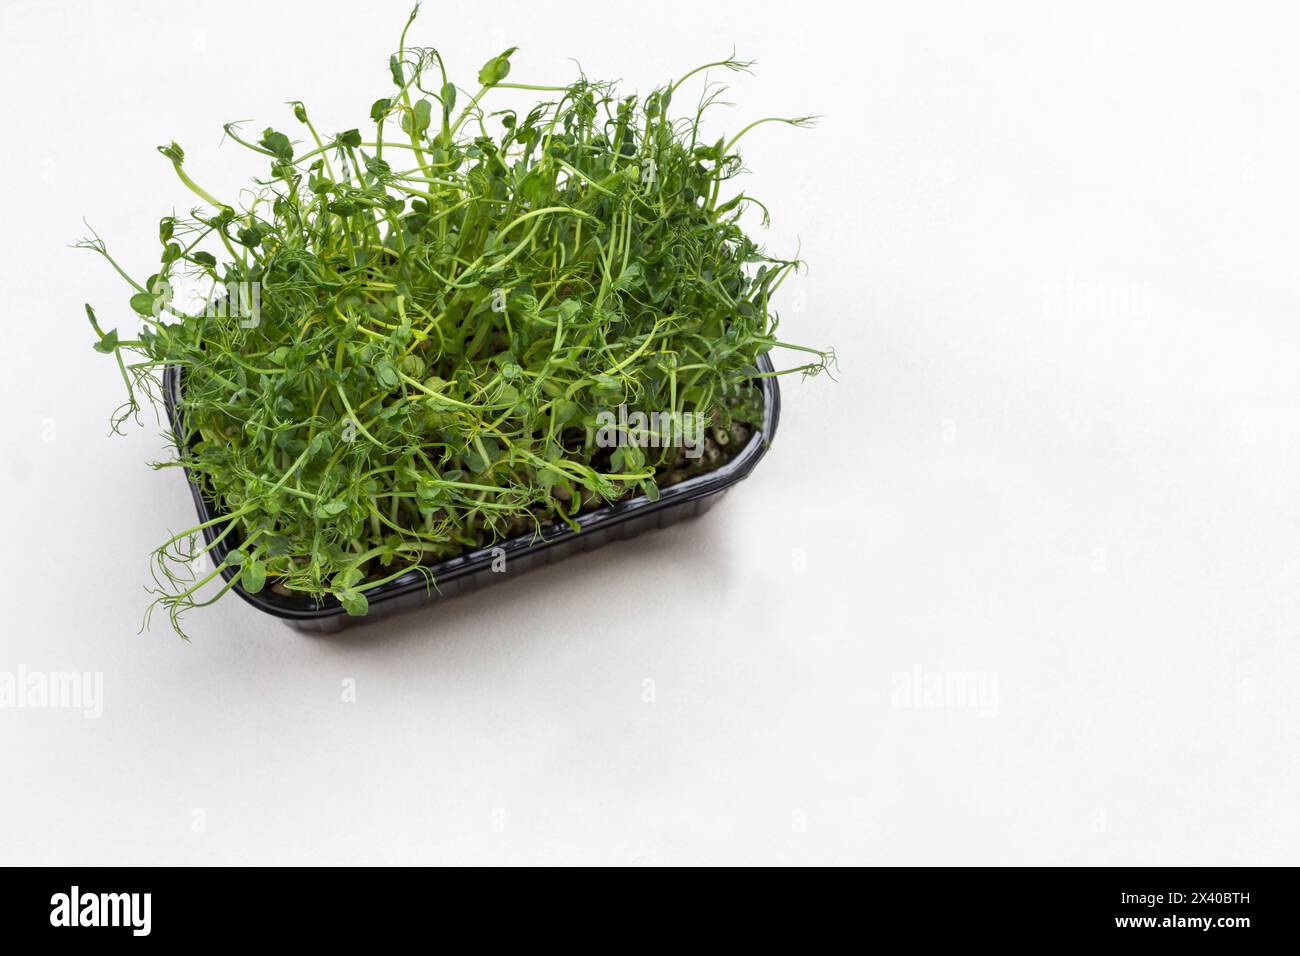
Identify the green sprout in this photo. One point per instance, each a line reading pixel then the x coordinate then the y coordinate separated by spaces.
pixel 444 300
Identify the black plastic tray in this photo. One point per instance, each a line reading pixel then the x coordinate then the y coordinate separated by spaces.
pixel 473 570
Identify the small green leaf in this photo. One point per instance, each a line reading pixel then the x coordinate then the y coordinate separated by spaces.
pixel 566 411
pixel 277 143
pixel 142 303
pixel 423 115
pixel 348 578
pixel 354 602
pixel 386 373
pixel 321 445
pixel 107 342
pixel 253 576
pixel 173 152
pixel 413 365
pixel 496 69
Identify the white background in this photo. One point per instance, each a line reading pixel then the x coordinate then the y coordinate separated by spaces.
pixel 1056 252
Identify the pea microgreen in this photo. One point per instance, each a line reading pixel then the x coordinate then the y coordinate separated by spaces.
pixel 444 301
